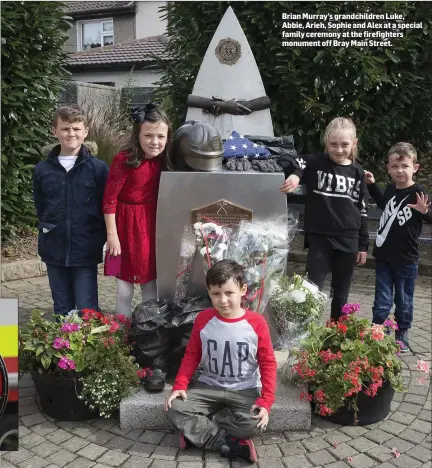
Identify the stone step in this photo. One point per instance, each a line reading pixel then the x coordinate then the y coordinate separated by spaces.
pixel 144 410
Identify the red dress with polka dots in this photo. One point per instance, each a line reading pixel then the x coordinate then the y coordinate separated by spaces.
pixel 131 193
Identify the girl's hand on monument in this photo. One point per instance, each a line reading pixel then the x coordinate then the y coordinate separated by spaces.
pixel 113 245
pixel 369 177
pixel 422 204
pixel 175 394
pixel 290 184
pixel 263 416
pixel 361 258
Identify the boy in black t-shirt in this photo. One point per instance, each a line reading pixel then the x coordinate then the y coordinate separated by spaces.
pixel 405 206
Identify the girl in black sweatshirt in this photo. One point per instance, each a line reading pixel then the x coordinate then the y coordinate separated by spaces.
pixel 335 223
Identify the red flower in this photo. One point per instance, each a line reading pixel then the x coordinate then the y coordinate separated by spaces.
pixel 324 411
pixel 305 396
pixel 320 396
pixel 114 326
pixel 342 327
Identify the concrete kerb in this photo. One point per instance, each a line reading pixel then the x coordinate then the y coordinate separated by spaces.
pixel 25 269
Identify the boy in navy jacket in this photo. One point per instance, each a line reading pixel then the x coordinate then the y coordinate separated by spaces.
pixel 68 189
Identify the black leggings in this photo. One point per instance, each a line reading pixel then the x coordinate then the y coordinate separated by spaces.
pixel 323 259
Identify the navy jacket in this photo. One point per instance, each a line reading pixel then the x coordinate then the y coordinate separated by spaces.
pixel 69 206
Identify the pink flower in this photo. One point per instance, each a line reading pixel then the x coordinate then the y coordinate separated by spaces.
pixel 395 452
pixel 60 343
pixel 70 327
pixel 423 366
pixel 377 332
pixel 391 324
pixel 350 459
pixel 349 309
pixel 121 318
pixel 421 380
pixel 66 363
pixel 334 445
pixel 114 326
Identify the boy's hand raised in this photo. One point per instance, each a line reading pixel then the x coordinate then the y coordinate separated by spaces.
pixel 263 416
pixel 422 204
pixel 369 177
pixel 290 184
pixel 175 394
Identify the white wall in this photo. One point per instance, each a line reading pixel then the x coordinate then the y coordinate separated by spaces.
pixel 147 19
pixel 140 78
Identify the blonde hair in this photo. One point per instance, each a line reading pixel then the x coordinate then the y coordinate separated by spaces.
pixel 403 150
pixel 342 123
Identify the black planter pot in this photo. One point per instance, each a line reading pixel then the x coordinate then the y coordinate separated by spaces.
pixel 58 398
pixel 370 410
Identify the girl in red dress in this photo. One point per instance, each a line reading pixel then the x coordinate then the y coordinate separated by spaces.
pixel 130 202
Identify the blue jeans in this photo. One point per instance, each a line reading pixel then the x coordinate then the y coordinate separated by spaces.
pixel 401 281
pixel 73 287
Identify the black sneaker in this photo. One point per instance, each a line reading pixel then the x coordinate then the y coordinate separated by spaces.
pixel 239 448
pixel 402 339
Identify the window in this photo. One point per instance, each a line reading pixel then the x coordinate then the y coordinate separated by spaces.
pixel 137 96
pixel 93 34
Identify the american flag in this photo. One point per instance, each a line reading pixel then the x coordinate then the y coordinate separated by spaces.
pixel 237 146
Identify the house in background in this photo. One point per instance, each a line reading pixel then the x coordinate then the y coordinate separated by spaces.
pixel 110 39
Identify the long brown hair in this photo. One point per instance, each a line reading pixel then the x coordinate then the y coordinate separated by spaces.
pixel 150 113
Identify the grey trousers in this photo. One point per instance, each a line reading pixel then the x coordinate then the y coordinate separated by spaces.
pixel 192 417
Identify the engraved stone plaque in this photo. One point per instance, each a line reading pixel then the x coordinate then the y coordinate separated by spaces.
pixel 222 212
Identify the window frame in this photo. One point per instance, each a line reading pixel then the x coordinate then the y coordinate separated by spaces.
pixel 79 28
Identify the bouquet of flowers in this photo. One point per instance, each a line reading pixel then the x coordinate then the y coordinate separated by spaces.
pixel 340 359
pixel 187 252
pixel 212 243
pixel 87 346
pixel 262 248
pixel 295 302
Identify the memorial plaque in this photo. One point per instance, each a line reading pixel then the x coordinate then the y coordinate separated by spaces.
pixel 227 195
pixel 222 212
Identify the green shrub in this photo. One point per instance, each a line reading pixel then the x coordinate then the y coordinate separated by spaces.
pixel 32 34
pixel 385 90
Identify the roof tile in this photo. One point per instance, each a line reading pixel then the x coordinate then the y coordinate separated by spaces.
pixel 87 7
pixel 136 51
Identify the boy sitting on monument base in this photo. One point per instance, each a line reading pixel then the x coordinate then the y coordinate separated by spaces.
pixel 232 346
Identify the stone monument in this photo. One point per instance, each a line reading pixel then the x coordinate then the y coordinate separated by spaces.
pixel 221 196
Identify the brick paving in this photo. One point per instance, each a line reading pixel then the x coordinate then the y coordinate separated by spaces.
pixel 100 443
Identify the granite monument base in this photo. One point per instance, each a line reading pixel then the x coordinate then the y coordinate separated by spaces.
pixel 144 410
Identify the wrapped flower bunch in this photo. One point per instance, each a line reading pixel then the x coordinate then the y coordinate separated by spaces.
pixel 212 241
pixel 295 302
pixel 262 249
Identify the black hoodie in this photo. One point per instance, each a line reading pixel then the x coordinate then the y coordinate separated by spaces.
pixel 336 196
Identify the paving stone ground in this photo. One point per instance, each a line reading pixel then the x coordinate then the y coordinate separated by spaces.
pixel 101 443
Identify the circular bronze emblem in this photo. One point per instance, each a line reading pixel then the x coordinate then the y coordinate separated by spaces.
pixel 228 51
pixel 216 143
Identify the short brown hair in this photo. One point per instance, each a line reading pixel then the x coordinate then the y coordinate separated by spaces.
pixel 403 150
pixel 70 113
pixel 223 271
